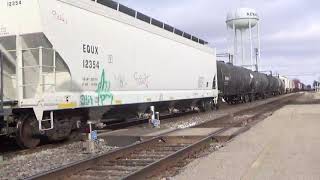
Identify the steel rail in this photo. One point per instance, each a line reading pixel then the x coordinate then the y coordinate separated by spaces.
pixel 163 163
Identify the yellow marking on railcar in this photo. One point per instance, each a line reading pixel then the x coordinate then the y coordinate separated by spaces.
pixel 118 101
pixel 67 105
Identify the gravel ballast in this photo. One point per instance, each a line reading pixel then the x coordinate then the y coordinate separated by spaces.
pixel 24 166
pixel 196 119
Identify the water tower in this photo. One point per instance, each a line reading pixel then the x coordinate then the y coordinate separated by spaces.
pixel 244 22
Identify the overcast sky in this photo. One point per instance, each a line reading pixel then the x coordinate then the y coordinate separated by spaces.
pixel 290 29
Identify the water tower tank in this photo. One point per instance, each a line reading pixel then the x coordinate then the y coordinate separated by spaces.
pixel 243 23
pixel 241 18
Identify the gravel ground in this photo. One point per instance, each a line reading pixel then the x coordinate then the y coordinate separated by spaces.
pixel 195 119
pixel 27 165
pixel 186 122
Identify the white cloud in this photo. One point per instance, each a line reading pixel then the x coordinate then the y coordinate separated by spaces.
pixel 290 29
pixel 302 32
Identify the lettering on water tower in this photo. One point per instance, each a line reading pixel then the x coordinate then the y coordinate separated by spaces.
pixel 252 14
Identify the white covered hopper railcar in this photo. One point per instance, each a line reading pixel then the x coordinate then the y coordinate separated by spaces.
pixel 289 84
pixel 67 61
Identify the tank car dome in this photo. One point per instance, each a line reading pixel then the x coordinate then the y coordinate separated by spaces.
pixel 241 18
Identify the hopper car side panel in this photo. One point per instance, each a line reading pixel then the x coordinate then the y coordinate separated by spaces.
pixel 119 60
pixel 288 84
pixel 138 65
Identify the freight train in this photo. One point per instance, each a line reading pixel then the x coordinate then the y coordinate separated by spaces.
pixel 288 83
pixel 64 62
pixel 299 86
pixel 240 85
pixel 69 61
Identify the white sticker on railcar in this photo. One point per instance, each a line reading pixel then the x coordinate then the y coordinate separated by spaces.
pixel 3 30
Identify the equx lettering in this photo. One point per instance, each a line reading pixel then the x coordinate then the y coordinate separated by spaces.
pixel 90 49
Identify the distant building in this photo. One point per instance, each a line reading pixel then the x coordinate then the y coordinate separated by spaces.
pixel 316 86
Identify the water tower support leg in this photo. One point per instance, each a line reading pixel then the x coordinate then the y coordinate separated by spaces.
pixel 251 47
pixel 235 48
pixel 259 46
pixel 242 47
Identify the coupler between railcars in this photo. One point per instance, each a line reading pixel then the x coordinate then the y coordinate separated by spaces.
pixel 208 105
pixel 2 123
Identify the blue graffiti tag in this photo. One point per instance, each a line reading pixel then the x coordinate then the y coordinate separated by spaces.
pixel 86 100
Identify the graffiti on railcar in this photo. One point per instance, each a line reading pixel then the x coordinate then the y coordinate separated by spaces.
pixel 103 90
pixel 120 80
pixel 201 82
pixel 102 95
pixel 87 100
pixel 142 79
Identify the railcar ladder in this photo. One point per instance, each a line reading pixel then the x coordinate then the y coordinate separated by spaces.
pixel 44 124
pixel 2 114
pixel 42 128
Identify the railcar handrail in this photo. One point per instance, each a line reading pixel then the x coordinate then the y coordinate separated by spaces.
pixel 26 49
pixel 37 66
pixel 40 66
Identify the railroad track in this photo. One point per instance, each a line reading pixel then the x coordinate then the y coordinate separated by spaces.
pixel 156 157
pixel 136 122
pixel 11 149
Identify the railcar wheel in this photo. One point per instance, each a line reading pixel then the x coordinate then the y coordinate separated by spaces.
pixel 252 98
pixel 246 98
pixel 75 136
pixel 25 135
pixel 205 105
pixel 242 99
pixel 214 106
